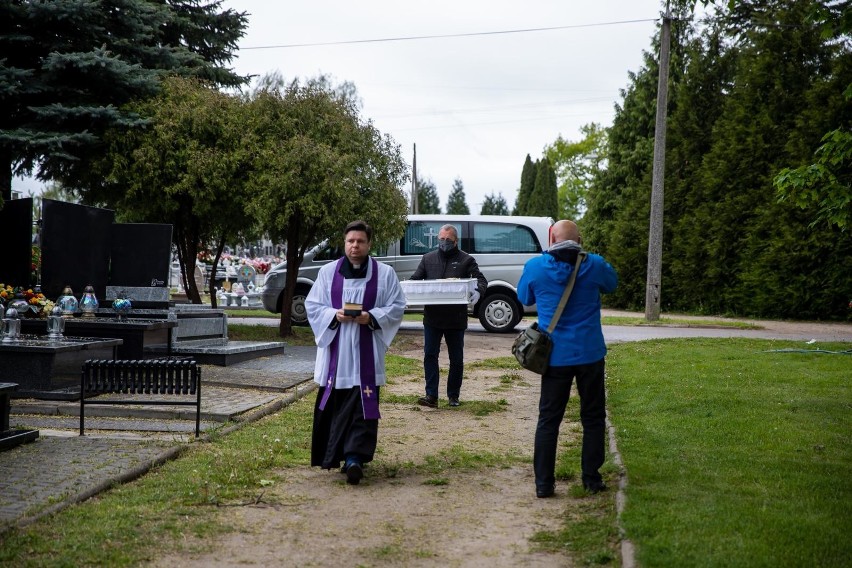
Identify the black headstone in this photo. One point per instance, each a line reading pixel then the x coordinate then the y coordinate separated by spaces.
pixel 140 255
pixel 16 226
pixel 75 245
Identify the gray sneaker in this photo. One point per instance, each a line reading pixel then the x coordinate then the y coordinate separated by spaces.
pixel 430 401
pixel 454 402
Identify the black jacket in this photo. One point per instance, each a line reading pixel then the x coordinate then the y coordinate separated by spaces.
pixel 456 264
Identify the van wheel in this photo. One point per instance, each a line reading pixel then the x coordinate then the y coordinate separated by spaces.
pixel 299 314
pixel 499 313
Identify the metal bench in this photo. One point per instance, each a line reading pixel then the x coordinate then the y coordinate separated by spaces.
pixel 141 377
pixel 11 438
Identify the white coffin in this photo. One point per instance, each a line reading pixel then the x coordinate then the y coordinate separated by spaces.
pixel 444 291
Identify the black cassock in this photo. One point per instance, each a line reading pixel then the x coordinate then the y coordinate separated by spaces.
pixel 341 429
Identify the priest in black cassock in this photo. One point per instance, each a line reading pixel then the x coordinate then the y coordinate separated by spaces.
pixel 355 308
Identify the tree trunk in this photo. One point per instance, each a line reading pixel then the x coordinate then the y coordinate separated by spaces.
pixel 285 326
pixel 294 255
pixel 187 256
pixel 211 287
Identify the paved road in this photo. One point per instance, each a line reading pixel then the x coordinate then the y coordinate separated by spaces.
pixel 616 333
pixel 62 468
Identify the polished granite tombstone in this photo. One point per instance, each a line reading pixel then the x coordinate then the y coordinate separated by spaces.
pixel 50 368
pixel 137 333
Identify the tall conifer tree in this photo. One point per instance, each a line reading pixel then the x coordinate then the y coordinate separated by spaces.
pixel 752 92
pixel 544 201
pixel 427 196
pixel 67 68
pixel 494 205
pixel 527 185
pixel 456 203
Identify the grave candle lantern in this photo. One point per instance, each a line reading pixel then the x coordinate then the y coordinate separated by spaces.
pixel 55 324
pixel 67 302
pixel 12 325
pixel 89 303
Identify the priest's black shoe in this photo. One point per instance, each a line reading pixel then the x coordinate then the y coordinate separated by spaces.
pixel 354 473
pixel 595 487
pixel 544 492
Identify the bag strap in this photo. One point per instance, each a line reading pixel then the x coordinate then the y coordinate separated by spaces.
pixel 566 294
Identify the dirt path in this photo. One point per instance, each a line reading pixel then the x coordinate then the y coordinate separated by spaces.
pixel 401 515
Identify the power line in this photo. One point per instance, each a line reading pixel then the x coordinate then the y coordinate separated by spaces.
pixel 443 36
pixel 489 123
pixel 498 108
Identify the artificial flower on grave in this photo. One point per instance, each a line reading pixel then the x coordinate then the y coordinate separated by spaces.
pixel 260 265
pixel 32 304
pixel 7 293
pixel 205 256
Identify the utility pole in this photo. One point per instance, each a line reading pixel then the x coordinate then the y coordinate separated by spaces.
pixel 414 204
pixel 655 235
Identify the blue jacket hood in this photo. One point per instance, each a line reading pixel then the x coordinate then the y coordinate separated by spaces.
pixel 560 261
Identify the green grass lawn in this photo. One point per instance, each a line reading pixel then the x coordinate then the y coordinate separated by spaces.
pixel 735 455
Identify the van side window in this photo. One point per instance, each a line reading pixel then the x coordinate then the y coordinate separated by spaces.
pixel 422 236
pixel 329 253
pixel 503 238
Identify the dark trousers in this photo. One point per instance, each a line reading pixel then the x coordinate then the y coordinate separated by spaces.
pixel 431 349
pixel 555 390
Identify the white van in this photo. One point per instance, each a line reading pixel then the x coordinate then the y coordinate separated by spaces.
pixel 500 244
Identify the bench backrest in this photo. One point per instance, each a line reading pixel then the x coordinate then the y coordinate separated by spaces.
pixel 144 376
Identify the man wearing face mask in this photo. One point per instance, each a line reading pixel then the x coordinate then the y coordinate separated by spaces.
pixel 448 321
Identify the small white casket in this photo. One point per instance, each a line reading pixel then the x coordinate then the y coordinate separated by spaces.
pixel 443 291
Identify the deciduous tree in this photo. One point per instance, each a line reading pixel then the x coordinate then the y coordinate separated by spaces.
pixel 317 166
pixel 576 164
pixel 187 167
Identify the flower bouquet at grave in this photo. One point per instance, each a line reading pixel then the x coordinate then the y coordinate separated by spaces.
pixel 260 266
pixel 28 303
pixel 205 256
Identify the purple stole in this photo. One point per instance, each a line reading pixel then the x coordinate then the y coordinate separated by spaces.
pixel 369 398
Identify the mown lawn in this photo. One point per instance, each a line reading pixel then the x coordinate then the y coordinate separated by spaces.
pixel 736 454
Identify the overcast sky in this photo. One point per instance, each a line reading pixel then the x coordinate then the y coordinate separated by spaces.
pixel 475 105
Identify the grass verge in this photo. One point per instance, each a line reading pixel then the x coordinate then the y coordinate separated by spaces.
pixel 736 455
pixel 243 332
pixel 137 522
pixel 677 322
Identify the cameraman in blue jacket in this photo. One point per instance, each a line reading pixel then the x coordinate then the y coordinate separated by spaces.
pixel 578 351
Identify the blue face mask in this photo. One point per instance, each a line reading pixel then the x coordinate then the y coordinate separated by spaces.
pixel 446 245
